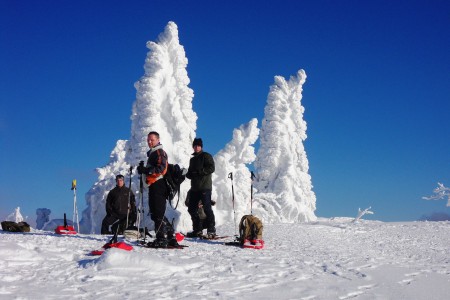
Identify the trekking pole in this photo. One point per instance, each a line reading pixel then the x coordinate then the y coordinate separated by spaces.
pixel 75 208
pixel 232 199
pixel 141 191
pixel 129 195
pixel 252 176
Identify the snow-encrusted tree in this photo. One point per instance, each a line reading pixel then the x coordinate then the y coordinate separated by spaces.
pixel 233 158
pixel 283 183
pixel 43 216
pixel 163 104
pixel 441 192
pixel 15 216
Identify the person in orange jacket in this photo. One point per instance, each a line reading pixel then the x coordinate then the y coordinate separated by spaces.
pixel 154 170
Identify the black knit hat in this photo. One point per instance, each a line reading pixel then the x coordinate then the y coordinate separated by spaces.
pixel 119 176
pixel 197 142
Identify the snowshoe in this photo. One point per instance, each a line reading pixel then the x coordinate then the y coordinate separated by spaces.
pixel 66 229
pixel 119 245
pixel 214 237
pixel 253 244
pixel 165 244
pixel 179 237
pixel 211 235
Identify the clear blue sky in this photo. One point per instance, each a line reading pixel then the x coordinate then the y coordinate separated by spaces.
pixel 377 96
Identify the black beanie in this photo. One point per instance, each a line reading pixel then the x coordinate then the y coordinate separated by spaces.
pixel 119 176
pixel 197 142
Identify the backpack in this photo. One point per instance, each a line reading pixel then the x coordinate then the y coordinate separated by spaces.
pixel 174 176
pixel 15 227
pixel 250 232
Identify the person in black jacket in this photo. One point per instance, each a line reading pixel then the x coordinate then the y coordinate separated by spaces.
pixel 117 207
pixel 201 167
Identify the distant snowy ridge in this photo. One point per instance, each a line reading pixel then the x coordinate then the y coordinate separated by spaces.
pixel 164 104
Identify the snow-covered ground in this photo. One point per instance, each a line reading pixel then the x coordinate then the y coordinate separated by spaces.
pixel 327 259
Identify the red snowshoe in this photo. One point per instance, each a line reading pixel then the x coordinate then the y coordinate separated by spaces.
pixel 66 229
pixel 253 244
pixel 119 245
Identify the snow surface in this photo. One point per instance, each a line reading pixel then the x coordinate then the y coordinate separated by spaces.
pixel 326 259
pixel 164 104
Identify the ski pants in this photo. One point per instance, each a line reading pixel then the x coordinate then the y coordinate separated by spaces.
pixel 157 194
pixel 205 197
pixel 111 220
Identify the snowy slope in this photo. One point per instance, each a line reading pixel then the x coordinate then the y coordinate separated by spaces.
pixel 327 259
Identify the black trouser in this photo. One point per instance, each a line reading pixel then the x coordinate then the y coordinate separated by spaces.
pixel 205 197
pixel 157 194
pixel 110 220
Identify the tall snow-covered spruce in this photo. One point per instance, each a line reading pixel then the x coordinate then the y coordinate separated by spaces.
pixel 163 104
pixel 234 158
pixel 284 189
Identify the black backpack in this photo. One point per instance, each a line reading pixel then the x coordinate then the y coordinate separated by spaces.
pixel 15 227
pixel 174 176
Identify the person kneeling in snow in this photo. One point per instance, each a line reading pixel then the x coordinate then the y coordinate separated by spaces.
pixel 117 207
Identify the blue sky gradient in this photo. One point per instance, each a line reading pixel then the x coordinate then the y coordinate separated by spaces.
pixel 377 95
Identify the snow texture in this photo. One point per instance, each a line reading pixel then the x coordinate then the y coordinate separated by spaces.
pixel 283 183
pixel 326 259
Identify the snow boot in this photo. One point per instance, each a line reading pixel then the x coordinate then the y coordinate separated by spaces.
pixel 211 235
pixel 158 243
pixel 173 243
pixel 194 234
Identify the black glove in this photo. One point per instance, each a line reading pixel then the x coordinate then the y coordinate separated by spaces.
pixel 142 170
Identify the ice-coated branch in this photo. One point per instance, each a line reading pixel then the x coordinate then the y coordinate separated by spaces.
pixel 441 192
pixel 362 213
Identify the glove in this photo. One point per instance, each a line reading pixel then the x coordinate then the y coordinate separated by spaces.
pixel 142 170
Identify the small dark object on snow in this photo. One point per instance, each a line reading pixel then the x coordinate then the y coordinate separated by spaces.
pixel 15 227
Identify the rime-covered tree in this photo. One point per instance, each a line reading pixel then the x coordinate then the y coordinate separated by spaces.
pixel 284 185
pixel 163 104
pixel 441 192
pixel 234 158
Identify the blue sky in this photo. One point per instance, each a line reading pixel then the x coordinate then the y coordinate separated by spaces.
pixel 376 96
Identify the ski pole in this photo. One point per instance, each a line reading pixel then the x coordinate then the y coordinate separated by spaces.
pixel 75 208
pixel 230 175
pixel 129 195
pixel 141 191
pixel 252 176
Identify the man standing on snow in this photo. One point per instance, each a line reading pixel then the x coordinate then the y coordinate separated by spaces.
pixel 117 207
pixel 201 167
pixel 154 170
